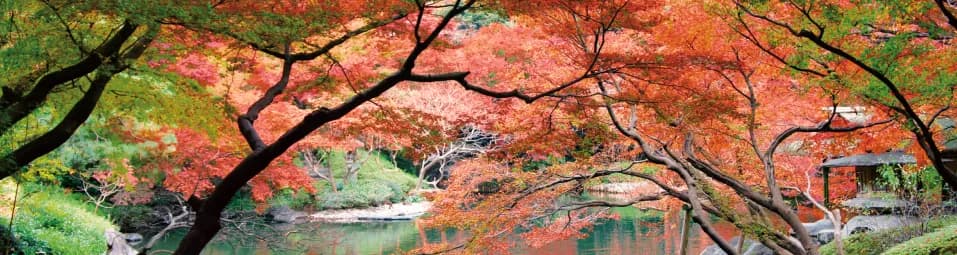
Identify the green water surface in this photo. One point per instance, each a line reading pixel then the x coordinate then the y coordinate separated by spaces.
pixel 635 232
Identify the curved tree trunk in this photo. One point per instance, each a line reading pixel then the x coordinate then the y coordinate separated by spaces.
pixel 207 218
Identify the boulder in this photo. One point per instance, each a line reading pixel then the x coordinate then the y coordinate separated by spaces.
pixel 817 226
pixel 283 214
pixel 824 236
pixel 868 223
pixel 116 243
pixel 133 238
pixel 751 247
pixel 821 231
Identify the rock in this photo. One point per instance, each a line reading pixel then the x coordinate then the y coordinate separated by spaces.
pixel 868 223
pixel 878 205
pixel 284 214
pixel 751 247
pixel 824 236
pixel 133 238
pixel 403 211
pixel 817 226
pixel 625 187
pixel 116 243
pixel 822 230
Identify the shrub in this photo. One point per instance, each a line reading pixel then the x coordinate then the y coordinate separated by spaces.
pixel 341 200
pixel 414 199
pixel 942 241
pixel 397 192
pixel 291 198
pixel 880 241
pixel 243 201
pixel 363 193
pixel 377 183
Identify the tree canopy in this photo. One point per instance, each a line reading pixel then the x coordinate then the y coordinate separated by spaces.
pixel 726 106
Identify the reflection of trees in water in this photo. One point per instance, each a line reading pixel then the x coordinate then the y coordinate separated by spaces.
pixel 636 232
pixel 645 233
pixel 257 236
pixel 365 238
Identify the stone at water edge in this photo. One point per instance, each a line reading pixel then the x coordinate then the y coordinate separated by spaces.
pixel 751 247
pixel 133 238
pixel 283 214
pixel 116 243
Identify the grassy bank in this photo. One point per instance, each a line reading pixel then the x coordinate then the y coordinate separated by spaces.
pixel 54 220
pixel 378 182
pixel 51 220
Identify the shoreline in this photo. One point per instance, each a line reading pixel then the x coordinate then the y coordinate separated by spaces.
pixel 394 212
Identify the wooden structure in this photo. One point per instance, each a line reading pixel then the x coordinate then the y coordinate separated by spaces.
pixel 865 170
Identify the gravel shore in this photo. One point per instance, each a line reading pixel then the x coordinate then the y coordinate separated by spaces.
pixel 398 211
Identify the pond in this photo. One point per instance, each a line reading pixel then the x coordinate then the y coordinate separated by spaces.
pixel 635 232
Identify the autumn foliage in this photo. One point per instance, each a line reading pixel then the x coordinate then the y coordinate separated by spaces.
pixel 727 107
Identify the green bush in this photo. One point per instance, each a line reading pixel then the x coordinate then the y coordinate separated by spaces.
pixel 376 192
pixel 880 241
pixel 243 201
pixel 397 192
pixel 414 199
pixel 291 198
pixel 363 193
pixel 377 182
pixel 942 241
pixel 341 200
pixel 50 221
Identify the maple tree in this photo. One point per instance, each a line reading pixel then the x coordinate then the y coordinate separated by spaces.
pixel 590 33
pixel 729 148
pixel 425 29
pixel 470 143
pixel 701 98
pixel 421 26
pixel 876 51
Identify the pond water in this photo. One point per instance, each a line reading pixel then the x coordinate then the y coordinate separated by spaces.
pixel 636 232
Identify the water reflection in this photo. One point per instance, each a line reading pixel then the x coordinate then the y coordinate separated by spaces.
pixel 636 232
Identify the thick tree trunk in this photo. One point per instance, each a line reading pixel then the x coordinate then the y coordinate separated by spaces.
pixel 207 218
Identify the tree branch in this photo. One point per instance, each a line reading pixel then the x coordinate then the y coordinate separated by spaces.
pixel 207 222
pixel 80 111
pixel 42 87
pixel 245 121
pixel 951 20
